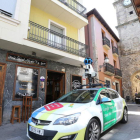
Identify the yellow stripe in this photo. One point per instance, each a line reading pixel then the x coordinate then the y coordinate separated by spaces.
pixel 46 115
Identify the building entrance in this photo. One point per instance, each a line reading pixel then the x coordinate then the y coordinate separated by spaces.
pixel 2 78
pixel 55 85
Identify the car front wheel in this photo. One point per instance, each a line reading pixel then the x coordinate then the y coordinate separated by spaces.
pixel 93 130
pixel 125 116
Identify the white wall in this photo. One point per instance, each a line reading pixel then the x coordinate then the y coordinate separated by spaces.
pixel 15 30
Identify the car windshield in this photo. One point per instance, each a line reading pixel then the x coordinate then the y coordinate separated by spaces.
pixel 78 96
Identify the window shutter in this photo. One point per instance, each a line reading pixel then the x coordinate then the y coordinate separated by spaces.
pixel 56 29
pixel 8 6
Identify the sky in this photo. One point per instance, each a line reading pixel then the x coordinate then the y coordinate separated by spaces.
pixel 106 9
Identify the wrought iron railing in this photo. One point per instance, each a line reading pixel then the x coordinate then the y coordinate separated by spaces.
pixel 76 6
pixel 106 41
pixel 118 72
pixel 115 50
pixel 45 36
pixel 109 68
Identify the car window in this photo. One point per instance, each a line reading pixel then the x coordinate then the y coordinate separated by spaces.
pixel 102 95
pixel 78 96
pixel 114 94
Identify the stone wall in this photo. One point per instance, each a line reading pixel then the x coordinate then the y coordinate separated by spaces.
pixel 10 77
pixel 129 45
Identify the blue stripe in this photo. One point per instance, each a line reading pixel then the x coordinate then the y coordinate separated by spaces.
pixel 35 114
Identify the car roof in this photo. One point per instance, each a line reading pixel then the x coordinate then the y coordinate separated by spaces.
pixel 96 88
pixel 90 89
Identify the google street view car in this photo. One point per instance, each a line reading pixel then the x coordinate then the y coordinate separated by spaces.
pixel 82 114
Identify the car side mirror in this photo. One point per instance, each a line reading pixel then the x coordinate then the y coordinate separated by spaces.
pixel 105 100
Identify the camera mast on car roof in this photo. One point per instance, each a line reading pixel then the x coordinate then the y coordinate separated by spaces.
pixel 91 75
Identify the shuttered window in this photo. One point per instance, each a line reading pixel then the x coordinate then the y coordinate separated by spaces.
pixel 57 29
pixel 8 6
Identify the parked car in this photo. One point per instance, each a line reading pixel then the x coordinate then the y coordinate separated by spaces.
pixel 137 98
pixel 81 114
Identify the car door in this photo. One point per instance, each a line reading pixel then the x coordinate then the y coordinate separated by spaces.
pixel 118 103
pixel 107 110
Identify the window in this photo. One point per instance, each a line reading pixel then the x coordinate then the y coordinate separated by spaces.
pixel 131 12
pixel 115 66
pixel 56 37
pixel 103 94
pixel 8 6
pixel 105 55
pixel 103 35
pixel 114 94
pixel 78 96
pixel 112 43
pixel 108 81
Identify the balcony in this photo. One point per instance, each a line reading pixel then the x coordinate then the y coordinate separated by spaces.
pixel 68 11
pixel 118 73
pixel 109 69
pixel 115 51
pixel 106 43
pixel 47 37
pixel 76 6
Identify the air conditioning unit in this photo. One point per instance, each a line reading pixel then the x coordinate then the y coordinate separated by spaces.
pixel 5 13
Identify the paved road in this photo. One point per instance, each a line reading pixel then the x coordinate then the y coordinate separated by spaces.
pixel 129 131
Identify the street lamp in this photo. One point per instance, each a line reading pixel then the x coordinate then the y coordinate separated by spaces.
pixel 106 61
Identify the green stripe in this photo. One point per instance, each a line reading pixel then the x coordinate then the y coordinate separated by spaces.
pixel 97 95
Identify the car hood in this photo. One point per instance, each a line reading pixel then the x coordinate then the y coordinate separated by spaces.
pixel 62 108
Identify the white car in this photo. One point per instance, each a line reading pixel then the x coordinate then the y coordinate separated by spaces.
pixel 81 114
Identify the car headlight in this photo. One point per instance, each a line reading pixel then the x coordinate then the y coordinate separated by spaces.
pixel 68 120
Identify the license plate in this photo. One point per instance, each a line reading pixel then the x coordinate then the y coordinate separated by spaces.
pixel 36 131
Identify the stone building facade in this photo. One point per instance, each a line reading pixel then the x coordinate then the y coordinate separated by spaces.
pixel 129 46
pixel 8 101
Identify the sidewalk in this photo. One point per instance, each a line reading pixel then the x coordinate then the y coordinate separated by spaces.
pixel 129 131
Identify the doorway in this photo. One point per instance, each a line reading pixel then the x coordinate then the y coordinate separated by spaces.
pixel 2 79
pixel 55 85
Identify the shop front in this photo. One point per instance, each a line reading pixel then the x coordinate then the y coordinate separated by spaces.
pixel 44 80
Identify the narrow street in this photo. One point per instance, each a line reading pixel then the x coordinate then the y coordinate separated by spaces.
pixel 129 131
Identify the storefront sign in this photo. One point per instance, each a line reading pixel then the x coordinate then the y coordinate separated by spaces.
pixel 26 82
pixel 76 81
pixel 25 60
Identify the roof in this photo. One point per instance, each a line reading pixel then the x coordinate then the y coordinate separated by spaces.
pixel 101 19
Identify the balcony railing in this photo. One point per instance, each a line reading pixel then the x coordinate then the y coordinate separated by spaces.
pixel 76 6
pixel 45 36
pixel 109 69
pixel 106 41
pixel 118 73
pixel 115 50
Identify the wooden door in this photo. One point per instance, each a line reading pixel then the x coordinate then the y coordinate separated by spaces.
pixel 2 71
pixel 62 85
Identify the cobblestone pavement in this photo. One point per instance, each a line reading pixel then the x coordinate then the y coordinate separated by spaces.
pixel 129 131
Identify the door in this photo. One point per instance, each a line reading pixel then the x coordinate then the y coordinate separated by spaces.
pixel 108 111
pixel 119 104
pixel 2 70
pixel 56 37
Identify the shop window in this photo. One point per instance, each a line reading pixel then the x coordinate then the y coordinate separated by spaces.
pixel 7 7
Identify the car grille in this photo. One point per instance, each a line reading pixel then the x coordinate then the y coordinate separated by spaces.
pixel 40 122
pixel 48 135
